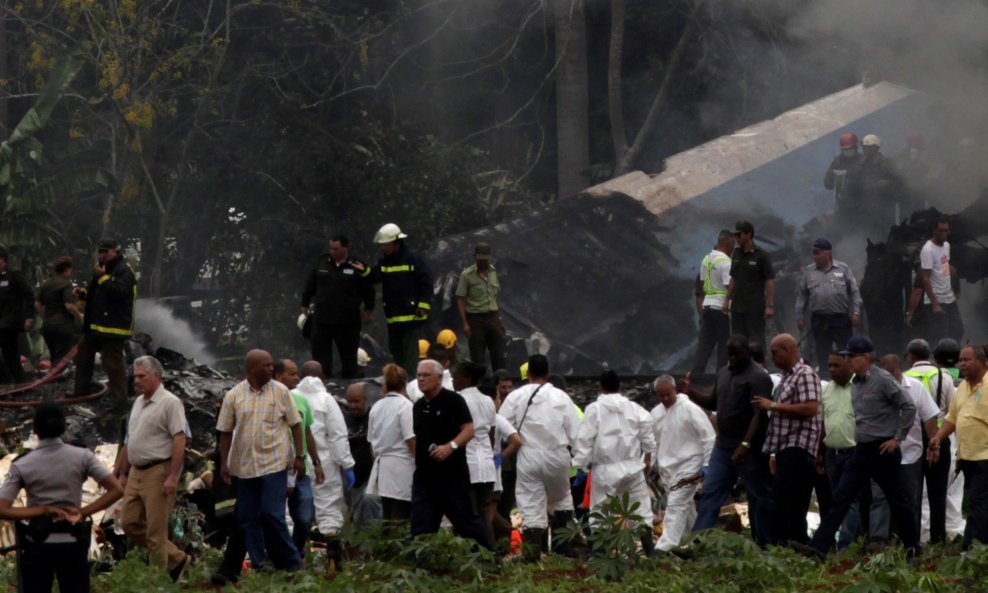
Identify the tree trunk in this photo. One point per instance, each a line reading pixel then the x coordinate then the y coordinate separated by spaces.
pixel 572 127
pixel 675 61
pixel 615 109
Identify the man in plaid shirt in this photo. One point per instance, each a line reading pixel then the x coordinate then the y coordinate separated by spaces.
pixel 792 439
pixel 256 448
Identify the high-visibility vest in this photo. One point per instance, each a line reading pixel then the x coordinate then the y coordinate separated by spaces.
pixel 926 378
pixel 708 265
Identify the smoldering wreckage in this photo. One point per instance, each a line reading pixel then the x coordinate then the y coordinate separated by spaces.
pixel 604 279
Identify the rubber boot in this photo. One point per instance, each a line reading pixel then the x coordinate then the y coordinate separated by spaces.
pixel 531 544
pixel 334 556
pixel 561 519
pixel 648 542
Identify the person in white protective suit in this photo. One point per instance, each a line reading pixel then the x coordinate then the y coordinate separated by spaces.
pixel 684 438
pixel 546 420
pixel 392 440
pixel 329 432
pixel 616 440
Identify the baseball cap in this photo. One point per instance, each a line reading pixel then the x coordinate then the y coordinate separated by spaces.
pixel 858 345
pixel 108 244
pixel 743 226
pixel 822 244
pixel 482 251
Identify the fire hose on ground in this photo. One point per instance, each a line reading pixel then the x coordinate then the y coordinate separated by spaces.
pixel 53 374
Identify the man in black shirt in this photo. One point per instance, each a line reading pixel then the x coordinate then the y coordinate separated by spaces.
pixel 751 293
pixel 364 508
pixel 441 484
pixel 16 317
pixel 740 435
pixel 336 289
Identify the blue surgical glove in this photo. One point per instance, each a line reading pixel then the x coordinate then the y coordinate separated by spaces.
pixel 703 471
pixel 579 478
pixel 351 478
pixel 498 460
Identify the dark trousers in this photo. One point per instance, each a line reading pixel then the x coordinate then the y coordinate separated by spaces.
pixel 302 510
pixel 11 371
pixel 945 325
pixel 347 340
pixel 403 342
pixel 432 498
pixel 722 474
pixel 715 329
pixel 261 511
pixel 976 492
pixel 749 325
pixel 795 474
pixel 865 464
pixel 829 331
pixel 393 509
pixel 880 525
pixel 112 352
pixel 851 527
pixel 506 503
pixel 59 339
pixel 485 335
pixel 937 478
pixel 41 564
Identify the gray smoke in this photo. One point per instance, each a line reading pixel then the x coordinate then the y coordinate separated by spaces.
pixel 168 331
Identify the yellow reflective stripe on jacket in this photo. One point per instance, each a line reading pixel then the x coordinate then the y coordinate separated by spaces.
pixel 404 318
pixel 103 279
pixel 111 330
pixel 425 306
pixel 401 268
pixel 708 267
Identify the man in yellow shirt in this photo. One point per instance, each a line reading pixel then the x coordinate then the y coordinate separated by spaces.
pixel 968 415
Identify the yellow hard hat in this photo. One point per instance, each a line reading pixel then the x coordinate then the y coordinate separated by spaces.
pixel 447 338
pixel 423 349
pixel 523 369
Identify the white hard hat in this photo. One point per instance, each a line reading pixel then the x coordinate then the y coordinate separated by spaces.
pixel 389 233
pixel 871 140
pixel 363 359
pixel 301 321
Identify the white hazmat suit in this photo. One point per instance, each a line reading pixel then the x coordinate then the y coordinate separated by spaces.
pixel 684 440
pixel 613 437
pixel 330 433
pixel 546 420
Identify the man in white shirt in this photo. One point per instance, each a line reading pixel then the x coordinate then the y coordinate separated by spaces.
pixel 943 314
pixel 480 452
pixel 616 439
pixel 711 292
pixel 330 435
pixel 546 420
pixel 940 385
pixel 911 448
pixel 684 438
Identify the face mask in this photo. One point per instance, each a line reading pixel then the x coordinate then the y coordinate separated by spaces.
pixel 848 152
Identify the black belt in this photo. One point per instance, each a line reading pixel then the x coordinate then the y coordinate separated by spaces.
pixel 151 464
pixel 484 314
pixel 841 451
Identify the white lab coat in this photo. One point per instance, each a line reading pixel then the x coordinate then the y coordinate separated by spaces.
pixel 389 426
pixel 684 441
pixel 613 437
pixel 330 433
pixel 415 394
pixel 480 453
pixel 547 425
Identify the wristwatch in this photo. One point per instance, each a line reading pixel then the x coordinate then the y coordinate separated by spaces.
pixel 316 463
pixel 454 445
pixel 302 457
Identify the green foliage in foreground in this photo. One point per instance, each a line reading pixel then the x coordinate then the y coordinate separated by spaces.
pixel 724 562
